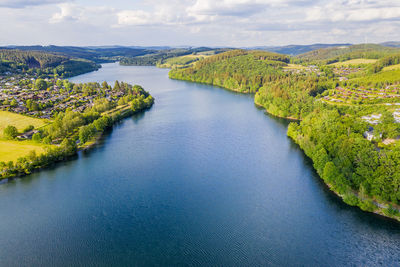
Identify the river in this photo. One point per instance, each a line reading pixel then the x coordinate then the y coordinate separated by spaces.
pixel 202 178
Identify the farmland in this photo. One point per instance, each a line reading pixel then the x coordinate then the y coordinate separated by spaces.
pixel 352 62
pixel 181 61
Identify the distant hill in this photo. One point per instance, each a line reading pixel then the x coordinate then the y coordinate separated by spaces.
pixel 160 56
pixel 14 60
pixel 336 54
pixel 391 44
pixel 296 49
pixel 96 54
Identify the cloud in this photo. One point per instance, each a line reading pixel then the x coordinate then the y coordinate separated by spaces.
pixel 200 22
pixel 134 17
pixel 26 3
pixel 67 12
pixel 94 15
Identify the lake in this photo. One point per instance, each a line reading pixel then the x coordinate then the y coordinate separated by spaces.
pixel 202 178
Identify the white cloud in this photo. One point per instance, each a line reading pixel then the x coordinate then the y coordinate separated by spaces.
pixel 67 12
pixel 200 22
pixel 134 17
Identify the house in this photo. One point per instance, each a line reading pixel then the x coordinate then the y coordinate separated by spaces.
pixel 370 134
pixel 28 135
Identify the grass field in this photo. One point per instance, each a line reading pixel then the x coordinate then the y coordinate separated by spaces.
pixel 12 150
pixel 17 120
pixel 356 61
pixel 294 67
pixel 393 67
pixel 181 61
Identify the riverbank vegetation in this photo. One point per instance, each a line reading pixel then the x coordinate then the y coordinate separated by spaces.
pixel 349 113
pixel 70 130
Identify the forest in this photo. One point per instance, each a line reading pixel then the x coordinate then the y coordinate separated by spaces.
pixel 43 64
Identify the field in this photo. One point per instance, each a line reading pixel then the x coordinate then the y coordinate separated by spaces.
pixel 295 67
pixel 181 61
pixel 393 67
pixel 357 61
pixel 17 120
pixel 12 150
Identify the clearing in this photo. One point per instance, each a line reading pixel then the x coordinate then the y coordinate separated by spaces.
pixel 392 67
pixel 356 61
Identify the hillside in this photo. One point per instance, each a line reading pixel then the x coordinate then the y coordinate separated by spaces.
pixel 42 63
pixel 96 54
pixel 337 54
pixel 161 57
pixel 296 49
pixel 238 70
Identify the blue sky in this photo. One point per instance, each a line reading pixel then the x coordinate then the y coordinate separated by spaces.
pixel 198 22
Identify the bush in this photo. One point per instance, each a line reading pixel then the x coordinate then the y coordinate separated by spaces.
pixel 36 137
pixel 367 205
pixel 29 128
pixel 351 199
pixel 391 211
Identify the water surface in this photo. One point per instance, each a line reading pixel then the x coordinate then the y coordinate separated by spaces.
pixel 203 178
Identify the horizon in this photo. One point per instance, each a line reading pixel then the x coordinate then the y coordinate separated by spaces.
pixel 194 23
pixel 194 46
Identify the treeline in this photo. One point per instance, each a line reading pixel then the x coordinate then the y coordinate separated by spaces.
pixel 238 70
pixel 349 163
pixel 384 62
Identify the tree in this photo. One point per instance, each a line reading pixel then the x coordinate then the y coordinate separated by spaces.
pixel 10 132
pixel 117 87
pixel 36 137
pixel 60 83
pixel 28 128
pixel 86 132
pixel 14 103
pixel 40 84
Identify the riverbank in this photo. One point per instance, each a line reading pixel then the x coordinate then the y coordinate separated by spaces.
pixel 372 205
pixel 70 146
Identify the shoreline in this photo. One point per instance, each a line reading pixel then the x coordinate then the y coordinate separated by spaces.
pixel 379 206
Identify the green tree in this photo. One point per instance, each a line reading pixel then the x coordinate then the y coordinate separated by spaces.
pixel 10 132
pixel 40 84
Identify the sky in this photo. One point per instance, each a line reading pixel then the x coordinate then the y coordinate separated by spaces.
pixel 235 23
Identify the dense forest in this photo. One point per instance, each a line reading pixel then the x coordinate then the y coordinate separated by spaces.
pixel 46 64
pixel 95 54
pixel 238 70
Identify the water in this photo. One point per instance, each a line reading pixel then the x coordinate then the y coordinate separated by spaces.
pixel 203 178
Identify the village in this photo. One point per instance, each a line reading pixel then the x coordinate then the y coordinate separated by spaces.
pixel 362 95
pixel 19 94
